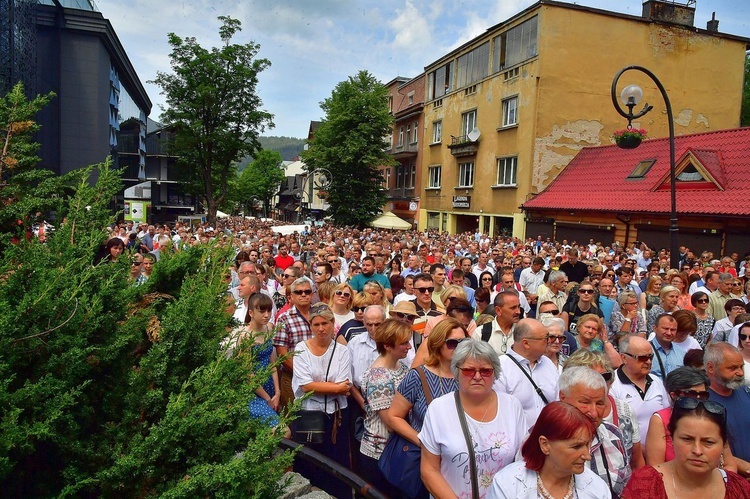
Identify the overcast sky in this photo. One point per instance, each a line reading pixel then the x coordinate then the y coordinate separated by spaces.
pixel 314 44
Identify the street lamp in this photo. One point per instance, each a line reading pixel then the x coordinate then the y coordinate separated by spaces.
pixel 631 96
pixel 254 200
pixel 322 183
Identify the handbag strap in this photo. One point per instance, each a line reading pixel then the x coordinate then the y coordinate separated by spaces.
pixel 661 364
pixel 425 386
pixel 328 369
pixel 538 390
pixel 469 446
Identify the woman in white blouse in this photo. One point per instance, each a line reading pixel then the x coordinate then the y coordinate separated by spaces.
pixel 323 366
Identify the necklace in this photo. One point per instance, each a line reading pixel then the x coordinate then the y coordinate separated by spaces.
pixel 676 490
pixel 546 494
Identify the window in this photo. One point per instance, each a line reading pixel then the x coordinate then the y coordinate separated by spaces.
pixel 466 175
pixel 414 132
pixel 390 103
pixel 411 176
pixel 439 81
pixel 473 66
pixel 436 175
pixel 401 136
pixel 410 97
pixel 506 171
pixel 437 132
pixel 386 178
pixel 510 111
pixel 408 132
pixel 399 176
pixel 642 168
pixel 515 45
pixel 468 122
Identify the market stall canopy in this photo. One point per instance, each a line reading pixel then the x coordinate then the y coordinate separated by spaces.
pixel 390 221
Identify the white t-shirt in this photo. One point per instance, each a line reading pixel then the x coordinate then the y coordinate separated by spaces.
pixel 341 319
pixel 690 343
pixel 495 442
pixel 309 368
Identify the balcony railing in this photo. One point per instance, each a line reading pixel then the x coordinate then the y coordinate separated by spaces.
pixel 462 145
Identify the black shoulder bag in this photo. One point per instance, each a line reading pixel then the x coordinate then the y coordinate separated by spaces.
pixel 528 376
pixel 469 446
pixel 310 426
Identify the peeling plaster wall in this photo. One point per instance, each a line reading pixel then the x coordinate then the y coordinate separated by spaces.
pixel 555 150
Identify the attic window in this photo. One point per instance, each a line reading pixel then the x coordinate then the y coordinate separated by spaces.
pixel 690 174
pixel 642 169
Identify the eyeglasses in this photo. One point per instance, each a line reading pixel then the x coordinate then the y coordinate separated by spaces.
pixel 358 309
pixel 553 312
pixel 452 343
pixel 400 315
pixel 345 294
pixel 743 337
pixel 487 278
pixel 425 290
pixel 289 275
pixel 333 261
pixel 302 292
pixel 470 372
pixel 136 263
pixel 689 404
pixel 545 338
pixel 554 338
pixel 640 358
pixel 694 394
pixel 586 291
pixel 702 300
pixel 607 375
pixel 318 272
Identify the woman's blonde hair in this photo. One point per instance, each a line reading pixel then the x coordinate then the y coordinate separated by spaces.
pixel 391 333
pixel 456 291
pixel 376 284
pixel 341 287
pixel 437 339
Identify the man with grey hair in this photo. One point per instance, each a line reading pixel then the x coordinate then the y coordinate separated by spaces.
pixel 556 283
pixel 586 389
pixel 718 298
pixel 292 327
pixel 725 369
pixel 527 373
pixel 634 382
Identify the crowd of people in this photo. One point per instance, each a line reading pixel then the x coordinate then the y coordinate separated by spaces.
pixel 573 369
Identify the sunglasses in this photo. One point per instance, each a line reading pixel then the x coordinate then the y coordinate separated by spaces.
pixel 690 404
pixel 743 337
pixel 553 338
pixel 345 294
pixel 425 290
pixel 333 261
pixel 702 300
pixel 289 275
pixel 470 372
pixel 694 394
pixel 586 291
pixel 553 312
pixel 317 272
pixel 487 278
pixel 135 263
pixel 640 358
pixel 358 309
pixel 400 315
pixel 607 376
pixel 452 343
pixel 302 292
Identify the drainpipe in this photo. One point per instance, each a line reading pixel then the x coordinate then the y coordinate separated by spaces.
pixel 625 219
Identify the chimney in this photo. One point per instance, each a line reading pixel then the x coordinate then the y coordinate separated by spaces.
pixel 713 24
pixel 669 12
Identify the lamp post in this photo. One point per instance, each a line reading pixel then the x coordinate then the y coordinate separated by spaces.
pixel 254 200
pixel 631 96
pixel 323 183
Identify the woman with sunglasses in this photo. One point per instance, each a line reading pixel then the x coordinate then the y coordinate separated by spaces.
pixel 743 343
pixel 699 434
pixel 485 280
pixel 706 321
pixel 574 310
pixel 407 412
pixel 341 304
pixel 375 289
pixel 495 434
pixel 556 329
pixel 458 308
pixel 355 326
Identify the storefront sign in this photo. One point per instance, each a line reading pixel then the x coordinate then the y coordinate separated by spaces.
pixel 461 201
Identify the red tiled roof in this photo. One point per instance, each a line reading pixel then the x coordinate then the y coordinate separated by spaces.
pixel 596 179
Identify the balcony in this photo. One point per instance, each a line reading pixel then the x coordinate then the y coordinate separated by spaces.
pixel 403 151
pixel 462 145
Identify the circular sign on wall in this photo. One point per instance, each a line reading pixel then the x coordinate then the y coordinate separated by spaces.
pixel 413 206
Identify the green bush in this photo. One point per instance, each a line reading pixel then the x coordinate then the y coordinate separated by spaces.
pixel 107 389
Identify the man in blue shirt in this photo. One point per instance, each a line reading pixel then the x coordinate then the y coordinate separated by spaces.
pixel 667 356
pixel 368 274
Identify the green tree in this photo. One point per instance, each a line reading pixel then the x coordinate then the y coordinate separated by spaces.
pixel 261 178
pixel 349 143
pixel 111 390
pixel 213 103
pixel 745 112
pixel 18 161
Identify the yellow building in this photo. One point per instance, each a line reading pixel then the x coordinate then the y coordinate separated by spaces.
pixel 507 111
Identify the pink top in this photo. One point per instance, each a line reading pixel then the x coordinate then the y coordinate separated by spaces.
pixel 666 415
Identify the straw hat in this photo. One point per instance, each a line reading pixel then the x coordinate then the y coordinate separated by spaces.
pixel 405 307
